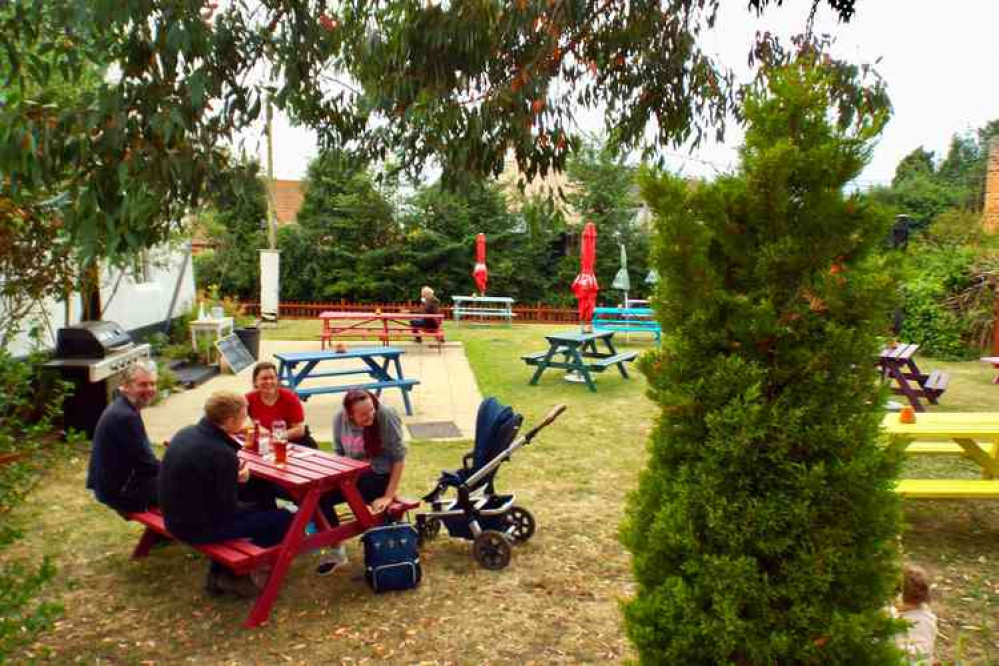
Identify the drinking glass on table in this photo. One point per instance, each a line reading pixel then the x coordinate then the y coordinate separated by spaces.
pixel 279 441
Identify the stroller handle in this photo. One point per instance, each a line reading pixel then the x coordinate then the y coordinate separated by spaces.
pixel 555 412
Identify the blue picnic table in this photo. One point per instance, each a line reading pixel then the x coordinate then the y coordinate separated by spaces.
pixel 380 364
pixel 579 353
pixel 629 320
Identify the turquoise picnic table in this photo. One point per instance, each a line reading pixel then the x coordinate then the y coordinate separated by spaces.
pixel 579 352
pixel 381 365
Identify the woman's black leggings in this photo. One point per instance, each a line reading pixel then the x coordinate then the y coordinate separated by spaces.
pixel 371 486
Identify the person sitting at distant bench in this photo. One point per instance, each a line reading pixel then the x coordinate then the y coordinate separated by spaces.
pixel 198 488
pixel 123 469
pixel 429 305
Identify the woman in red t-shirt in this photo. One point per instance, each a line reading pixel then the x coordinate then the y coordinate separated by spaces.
pixel 269 402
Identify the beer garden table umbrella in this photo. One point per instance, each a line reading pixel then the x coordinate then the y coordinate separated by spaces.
pixel 585 285
pixel 480 272
pixel 585 288
pixel 621 280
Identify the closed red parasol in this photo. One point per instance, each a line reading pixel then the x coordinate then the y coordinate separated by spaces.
pixel 480 273
pixel 585 285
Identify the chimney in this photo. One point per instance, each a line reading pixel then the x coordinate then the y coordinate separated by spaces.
pixel 990 220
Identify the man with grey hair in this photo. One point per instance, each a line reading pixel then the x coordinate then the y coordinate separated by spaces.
pixel 123 469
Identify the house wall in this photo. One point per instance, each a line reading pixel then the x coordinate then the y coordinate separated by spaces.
pixel 136 298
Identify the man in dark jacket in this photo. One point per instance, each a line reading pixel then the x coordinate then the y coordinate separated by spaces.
pixel 428 305
pixel 198 489
pixel 123 468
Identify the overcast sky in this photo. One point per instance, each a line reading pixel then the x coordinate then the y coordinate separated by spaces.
pixel 937 59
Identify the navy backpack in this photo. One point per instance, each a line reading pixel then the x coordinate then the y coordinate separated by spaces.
pixel 391 559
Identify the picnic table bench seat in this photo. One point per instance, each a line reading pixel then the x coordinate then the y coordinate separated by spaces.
pixel 326 337
pixel 593 364
pixel 240 556
pixel 305 392
pixel 948 488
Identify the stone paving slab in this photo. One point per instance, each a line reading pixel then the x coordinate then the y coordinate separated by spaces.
pixel 447 391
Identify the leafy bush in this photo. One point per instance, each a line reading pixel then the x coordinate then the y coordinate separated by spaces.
pixel 764 527
pixel 166 380
pixel 933 276
pixel 29 403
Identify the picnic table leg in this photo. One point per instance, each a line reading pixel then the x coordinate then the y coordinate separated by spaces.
pixel 994 454
pixel 989 464
pixel 895 372
pixel 921 379
pixel 543 364
pixel 582 369
pixel 289 549
pixel 146 541
pixel 404 389
pixel 613 352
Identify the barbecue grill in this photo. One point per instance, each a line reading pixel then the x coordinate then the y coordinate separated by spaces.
pixel 93 355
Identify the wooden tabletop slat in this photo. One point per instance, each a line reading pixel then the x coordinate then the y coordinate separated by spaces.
pixel 316 467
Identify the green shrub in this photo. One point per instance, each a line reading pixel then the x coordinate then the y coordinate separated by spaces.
pixel 934 275
pixel 29 403
pixel 166 380
pixel 764 527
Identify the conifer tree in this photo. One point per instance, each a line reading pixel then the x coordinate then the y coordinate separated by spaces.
pixel 764 526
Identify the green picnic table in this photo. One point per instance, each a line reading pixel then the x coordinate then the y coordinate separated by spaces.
pixel 579 352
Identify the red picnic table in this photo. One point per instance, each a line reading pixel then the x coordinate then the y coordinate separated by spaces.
pixel 305 476
pixel 380 325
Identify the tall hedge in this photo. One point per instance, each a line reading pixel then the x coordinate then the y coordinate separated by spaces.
pixel 764 526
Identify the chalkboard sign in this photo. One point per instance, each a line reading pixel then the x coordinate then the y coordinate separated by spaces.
pixel 234 353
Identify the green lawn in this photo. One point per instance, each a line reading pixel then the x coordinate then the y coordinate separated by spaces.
pixel 556 603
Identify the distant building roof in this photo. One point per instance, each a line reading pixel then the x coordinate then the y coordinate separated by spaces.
pixel 288 196
pixel 549 185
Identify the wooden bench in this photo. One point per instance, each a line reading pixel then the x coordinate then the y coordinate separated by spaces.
pixel 935 449
pixel 482 307
pixel 326 337
pixel 306 392
pixel 629 320
pixel 592 364
pixel 238 555
pixel 948 488
pixel 378 325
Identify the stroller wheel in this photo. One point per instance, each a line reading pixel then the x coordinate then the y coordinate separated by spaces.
pixel 428 529
pixel 491 550
pixel 520 524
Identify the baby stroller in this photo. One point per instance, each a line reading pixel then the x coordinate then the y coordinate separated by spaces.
pixel 490 520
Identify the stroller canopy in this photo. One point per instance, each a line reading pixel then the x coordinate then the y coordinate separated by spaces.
pixel 495 427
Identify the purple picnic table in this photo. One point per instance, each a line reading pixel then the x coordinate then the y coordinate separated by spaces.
pixel 897 365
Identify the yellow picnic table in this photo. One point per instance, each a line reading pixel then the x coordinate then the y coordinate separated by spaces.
pixel 950 433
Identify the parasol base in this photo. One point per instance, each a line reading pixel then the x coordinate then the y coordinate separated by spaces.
pixel 575 377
